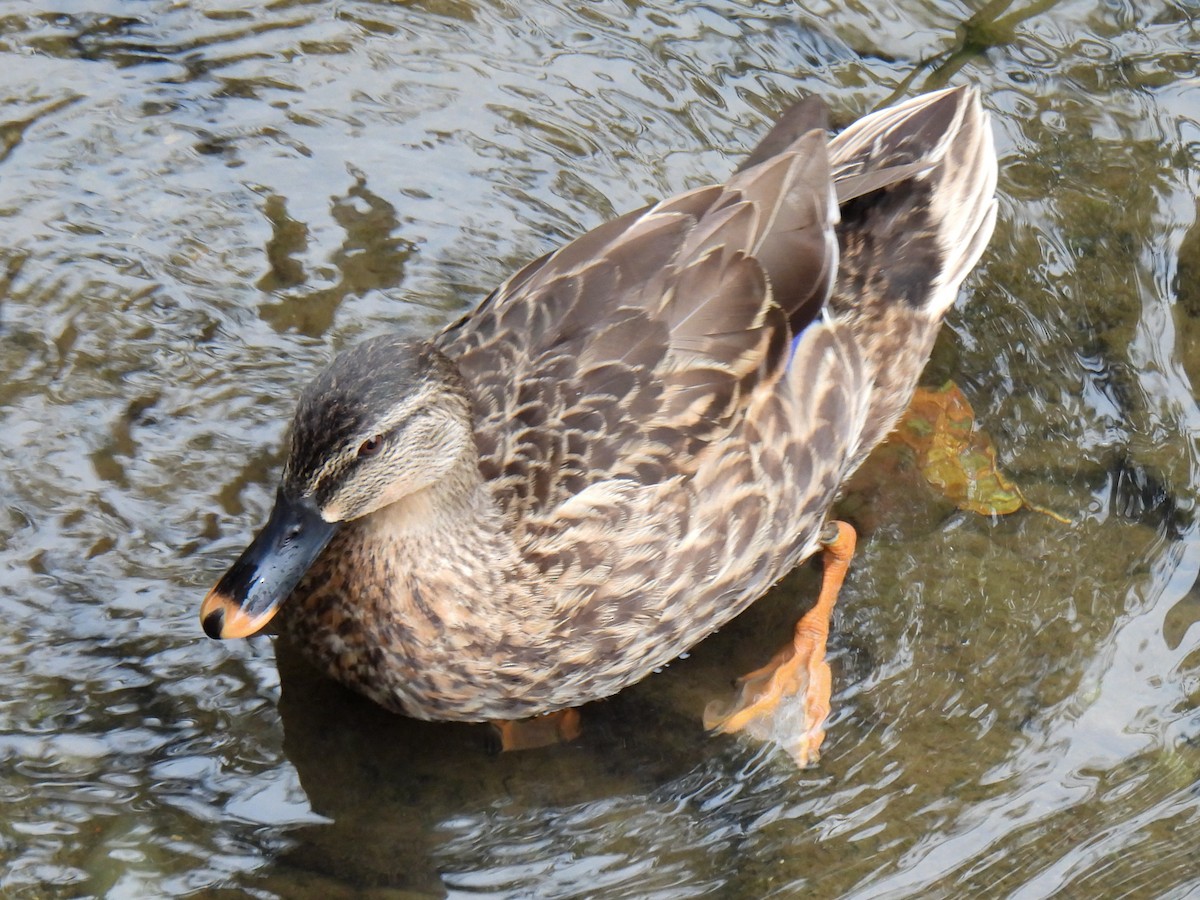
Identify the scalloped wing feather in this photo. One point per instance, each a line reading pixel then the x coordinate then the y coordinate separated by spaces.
pixel 640 343
pixel 682 341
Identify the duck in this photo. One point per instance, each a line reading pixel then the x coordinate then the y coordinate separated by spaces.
pixel 629 441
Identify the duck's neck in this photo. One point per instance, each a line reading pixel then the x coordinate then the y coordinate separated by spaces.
pixel 442 555
pixel 396 610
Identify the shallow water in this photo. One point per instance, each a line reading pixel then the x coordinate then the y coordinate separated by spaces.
pixel 200 202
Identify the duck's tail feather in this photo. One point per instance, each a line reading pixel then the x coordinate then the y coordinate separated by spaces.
pixel 916 183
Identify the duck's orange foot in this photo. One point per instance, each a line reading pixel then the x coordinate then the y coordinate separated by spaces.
pixel 540 731
pixel 787 700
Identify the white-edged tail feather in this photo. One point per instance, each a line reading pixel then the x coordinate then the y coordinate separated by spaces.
pixel 947 145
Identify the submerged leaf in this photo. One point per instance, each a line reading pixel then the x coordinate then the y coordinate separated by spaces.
pixel 955 457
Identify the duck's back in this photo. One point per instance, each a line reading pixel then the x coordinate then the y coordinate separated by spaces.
pixel 629 352
pixel 666 408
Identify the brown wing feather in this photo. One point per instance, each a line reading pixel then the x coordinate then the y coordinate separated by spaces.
pixel 810 114
pixel 653 348
pixel 646 334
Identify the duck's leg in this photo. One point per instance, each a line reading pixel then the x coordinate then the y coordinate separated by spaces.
pixel 798 670
pixel 538 731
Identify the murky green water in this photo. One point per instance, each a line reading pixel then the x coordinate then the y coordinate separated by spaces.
pixel 200 201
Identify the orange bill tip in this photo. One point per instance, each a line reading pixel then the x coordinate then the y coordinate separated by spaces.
pixel 222 618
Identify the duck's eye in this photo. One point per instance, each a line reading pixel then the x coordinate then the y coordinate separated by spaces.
pixel 370 447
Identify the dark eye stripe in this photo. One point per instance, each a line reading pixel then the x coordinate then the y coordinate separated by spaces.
pixel 372 445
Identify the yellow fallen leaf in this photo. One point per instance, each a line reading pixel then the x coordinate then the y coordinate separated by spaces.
pixel 955 457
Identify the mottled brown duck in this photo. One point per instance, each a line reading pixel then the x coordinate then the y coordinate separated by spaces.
pixel 630 440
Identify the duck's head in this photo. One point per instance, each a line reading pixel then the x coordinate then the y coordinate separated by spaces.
pixel 386 420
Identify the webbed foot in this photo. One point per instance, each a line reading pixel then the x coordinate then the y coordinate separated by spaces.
pixel 539 731
pixel 798 672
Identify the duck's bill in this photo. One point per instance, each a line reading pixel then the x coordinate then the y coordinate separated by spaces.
pixel 248 595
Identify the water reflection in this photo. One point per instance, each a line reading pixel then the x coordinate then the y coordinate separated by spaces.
pixel 201 201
